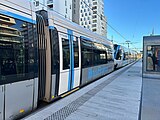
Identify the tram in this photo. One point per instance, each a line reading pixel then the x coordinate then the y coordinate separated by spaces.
pixel 123 56
pixel 43 56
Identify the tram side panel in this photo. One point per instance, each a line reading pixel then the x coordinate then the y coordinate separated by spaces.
pixel 17 60
pixel 16 101
pixel 96 61
pixel 1 102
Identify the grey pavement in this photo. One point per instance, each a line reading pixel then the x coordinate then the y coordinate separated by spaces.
pixel 113 97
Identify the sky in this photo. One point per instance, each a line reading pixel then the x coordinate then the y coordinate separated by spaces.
pixel 133 19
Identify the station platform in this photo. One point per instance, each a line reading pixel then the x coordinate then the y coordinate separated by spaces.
pixel 114 97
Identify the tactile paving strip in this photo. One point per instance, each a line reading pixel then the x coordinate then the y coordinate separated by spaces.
pixel 73 106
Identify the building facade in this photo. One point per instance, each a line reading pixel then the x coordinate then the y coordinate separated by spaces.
pixel 87 13
pixel 82 13
pixel 63 7
pixel 90 15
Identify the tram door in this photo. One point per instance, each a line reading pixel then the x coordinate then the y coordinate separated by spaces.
pixel 69 63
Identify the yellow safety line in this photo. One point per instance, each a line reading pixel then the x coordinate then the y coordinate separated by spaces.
pixel 69 92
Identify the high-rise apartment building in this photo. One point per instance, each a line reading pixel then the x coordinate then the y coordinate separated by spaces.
pixel 87 13
pixel 99 20
pixel 90 14
pixel 63 7
pixel 82 13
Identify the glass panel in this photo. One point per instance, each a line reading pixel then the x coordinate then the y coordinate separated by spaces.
pixel 153 58
pixel 55 50
pixel 16 49
pixel 87 53
pixel 76 53
pixel 109 54
pixel 66 54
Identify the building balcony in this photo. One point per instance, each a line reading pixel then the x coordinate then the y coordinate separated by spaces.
pixel 49 2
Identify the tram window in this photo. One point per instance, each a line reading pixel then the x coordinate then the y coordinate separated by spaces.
pixel 153 58
pixel 96 57
pixel 87 53
pixel 76 53
pixel 55 50
pixel 66 53
pixel 109 55
pixel 100 54
pixel 17 56
pixel 99 57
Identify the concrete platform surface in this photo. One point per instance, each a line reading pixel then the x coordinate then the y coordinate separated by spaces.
pixel 113 97
pixel 150 99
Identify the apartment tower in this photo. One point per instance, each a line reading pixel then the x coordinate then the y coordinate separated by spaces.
pixel 90 15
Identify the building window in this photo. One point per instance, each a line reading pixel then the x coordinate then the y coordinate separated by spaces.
pixel 94 3
pixel 94 21
pixel 95 7
pixel 82 23
pixel 94 25
pixel 37 3
pixel 94 30
pixel 94 12
pixel 65 3
pixel 66 10
pixel 85 14
pixel 95 16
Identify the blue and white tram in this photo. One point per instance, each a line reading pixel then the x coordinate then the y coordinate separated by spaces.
pixel 123 56
pixel 44 56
